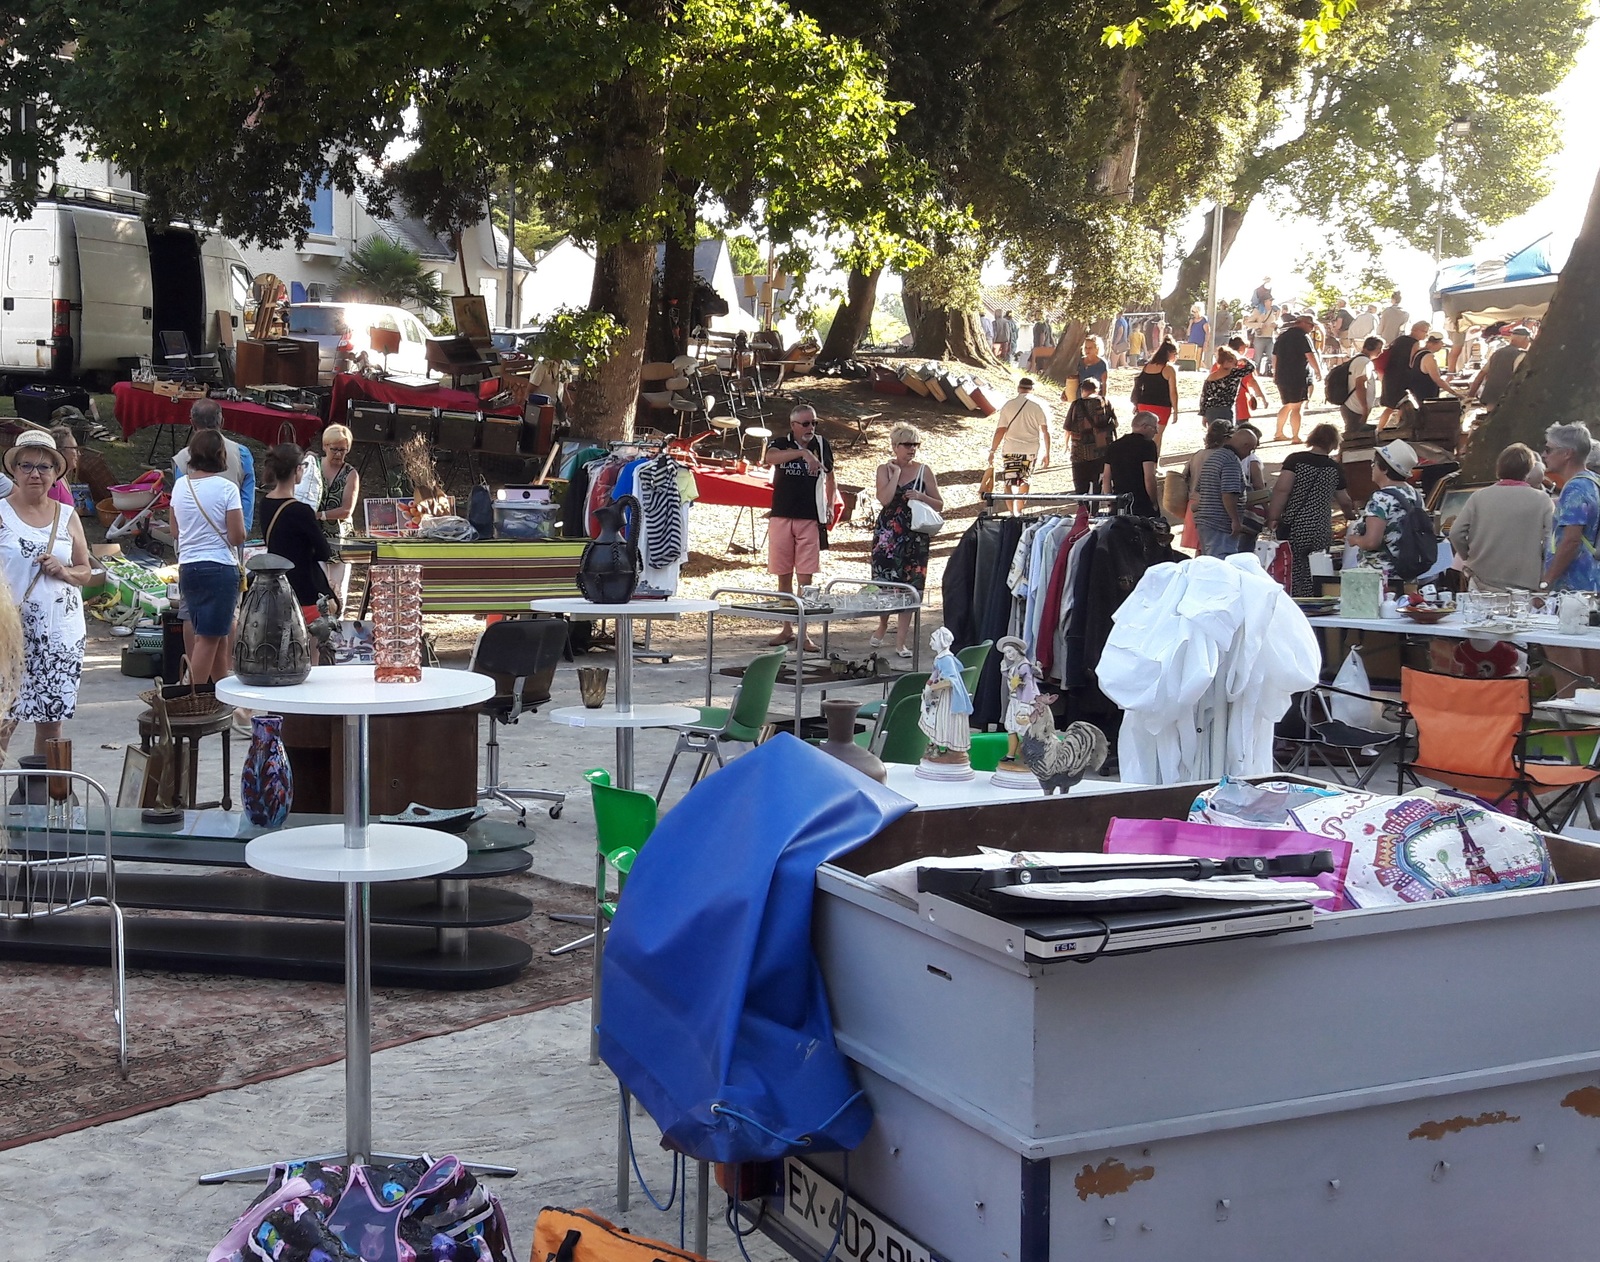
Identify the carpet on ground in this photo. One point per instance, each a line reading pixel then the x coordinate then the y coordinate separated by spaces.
pixel 193 1033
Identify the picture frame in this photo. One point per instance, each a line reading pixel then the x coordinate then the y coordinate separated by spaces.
pixel 387 517
pixel 471 315
pixel 133 788
pixel 82 498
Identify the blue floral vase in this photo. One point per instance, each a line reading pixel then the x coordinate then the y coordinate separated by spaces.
pixel 267 785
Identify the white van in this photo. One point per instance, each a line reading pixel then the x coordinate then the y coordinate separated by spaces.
pixel 88 286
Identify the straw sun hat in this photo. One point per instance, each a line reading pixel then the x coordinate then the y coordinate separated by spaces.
pixel 36 442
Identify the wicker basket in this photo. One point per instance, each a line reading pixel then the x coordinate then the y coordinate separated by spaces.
pixel 183 700
pixel 107 512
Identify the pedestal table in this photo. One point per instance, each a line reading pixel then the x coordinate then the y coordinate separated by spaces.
pixel 357 853
pixel 626 718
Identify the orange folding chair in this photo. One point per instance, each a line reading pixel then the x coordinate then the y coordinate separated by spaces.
pixel 1472 734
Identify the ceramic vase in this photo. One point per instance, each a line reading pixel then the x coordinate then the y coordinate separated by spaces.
pixel 841 743
pixel 609 569
pixel 272 649
pixel 267 784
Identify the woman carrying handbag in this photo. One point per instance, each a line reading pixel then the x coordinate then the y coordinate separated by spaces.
pixel 911 502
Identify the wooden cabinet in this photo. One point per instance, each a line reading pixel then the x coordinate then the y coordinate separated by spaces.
pixel 282 361
pixel 429 758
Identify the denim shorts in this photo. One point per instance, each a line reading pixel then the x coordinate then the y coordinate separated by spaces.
pixel 210 593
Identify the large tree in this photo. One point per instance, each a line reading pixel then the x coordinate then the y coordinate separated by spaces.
pixel 236 116
pixel 1558 381
pixel 1359 141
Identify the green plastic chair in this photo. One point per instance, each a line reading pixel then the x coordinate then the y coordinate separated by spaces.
pixel 623 820
pixel 988 750
pixel 741 722
pixel 972 660
pixel 903 740
pixel 908 685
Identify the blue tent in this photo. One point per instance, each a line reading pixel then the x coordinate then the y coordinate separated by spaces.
pixel 714 1013
pixel 1499 288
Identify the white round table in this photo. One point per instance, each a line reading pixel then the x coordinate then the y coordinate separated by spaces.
pixel 359 852
pixel 624 616
pixel 626 718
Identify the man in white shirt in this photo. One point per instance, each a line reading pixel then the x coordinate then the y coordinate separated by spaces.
pixel 1365 325
pixel 1393 319
pixel 1363 388
pixel 1021 434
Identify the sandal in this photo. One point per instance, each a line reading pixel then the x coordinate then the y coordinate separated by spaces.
pixel 905 653
pixel 875 641
pixel 779 640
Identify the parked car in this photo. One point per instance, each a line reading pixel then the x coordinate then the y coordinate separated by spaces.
pixel 343 330
pixel 514 341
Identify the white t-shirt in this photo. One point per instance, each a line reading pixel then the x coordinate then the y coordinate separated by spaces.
pixel 1361 372
pixel 1025 419
pixel 199 539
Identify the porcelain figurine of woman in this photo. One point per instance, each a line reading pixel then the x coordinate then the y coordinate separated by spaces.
pixel 945 707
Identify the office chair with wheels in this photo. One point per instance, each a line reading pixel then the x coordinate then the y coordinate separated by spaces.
pixel 521 656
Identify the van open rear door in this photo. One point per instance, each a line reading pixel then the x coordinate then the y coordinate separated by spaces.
pixel 114 264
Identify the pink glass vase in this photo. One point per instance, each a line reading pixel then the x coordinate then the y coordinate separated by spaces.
pixel 397 623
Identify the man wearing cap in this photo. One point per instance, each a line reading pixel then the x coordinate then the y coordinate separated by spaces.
pixel 1494 377
pixel 1379 536
pixel 1021 434
pixel 241 470
pixel 1294 363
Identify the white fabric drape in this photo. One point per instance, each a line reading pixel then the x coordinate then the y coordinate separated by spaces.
pixel 1204 658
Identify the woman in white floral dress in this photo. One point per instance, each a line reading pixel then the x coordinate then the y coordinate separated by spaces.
pixel 45 559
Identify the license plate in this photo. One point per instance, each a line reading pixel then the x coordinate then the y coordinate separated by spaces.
pixel 811 1205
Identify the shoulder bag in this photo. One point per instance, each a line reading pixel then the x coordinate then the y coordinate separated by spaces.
pixel 49 547
pixel 925 519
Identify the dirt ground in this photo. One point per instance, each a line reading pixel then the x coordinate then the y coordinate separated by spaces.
pixel 955 445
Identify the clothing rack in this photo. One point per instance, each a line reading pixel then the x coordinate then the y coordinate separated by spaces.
pixel 1047 497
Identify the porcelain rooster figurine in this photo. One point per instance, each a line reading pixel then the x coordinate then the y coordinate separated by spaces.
pixel 1060 759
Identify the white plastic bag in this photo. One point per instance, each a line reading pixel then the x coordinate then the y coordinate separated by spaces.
pixel 1352 677
pixel 308 487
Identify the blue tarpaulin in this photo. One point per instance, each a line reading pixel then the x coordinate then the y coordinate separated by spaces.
pixel 713 1009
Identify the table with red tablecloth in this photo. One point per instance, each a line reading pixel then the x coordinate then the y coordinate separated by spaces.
pixel 348 388
pixel 138 409
pixel 739 490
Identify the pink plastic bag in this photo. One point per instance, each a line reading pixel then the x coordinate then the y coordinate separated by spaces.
pixel 1213 841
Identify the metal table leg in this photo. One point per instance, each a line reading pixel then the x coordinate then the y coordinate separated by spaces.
pixel 357 984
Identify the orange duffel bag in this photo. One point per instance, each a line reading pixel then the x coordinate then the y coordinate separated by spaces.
pixel 581 1235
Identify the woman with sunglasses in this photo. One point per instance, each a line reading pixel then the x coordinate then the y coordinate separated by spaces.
pixel 45 558
pixel 899 553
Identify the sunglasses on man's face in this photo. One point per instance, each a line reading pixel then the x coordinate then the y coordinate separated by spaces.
pixel 805 424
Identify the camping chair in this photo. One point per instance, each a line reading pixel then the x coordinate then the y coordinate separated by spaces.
pixel 48 870
pixel 623 819
pixel 183 361
pixel 1312 733
pixel 1473 734
pixel 740 722
pixel 903 740
pixel 520 655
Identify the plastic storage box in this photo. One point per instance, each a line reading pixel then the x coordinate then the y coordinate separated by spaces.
pixel 526 512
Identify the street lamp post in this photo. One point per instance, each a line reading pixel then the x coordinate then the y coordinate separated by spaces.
pixel 1456 127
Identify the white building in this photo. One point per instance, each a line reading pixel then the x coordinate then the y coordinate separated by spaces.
pixel 563 276
pixel 339 222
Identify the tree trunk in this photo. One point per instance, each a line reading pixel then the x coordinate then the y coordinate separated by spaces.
pixel 670 316
pixel 633 125
pixel 853 320
pixel 941 333
pixel 1119 167
pixel 1063 366
pixel 1195 270
pixel 1559 380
